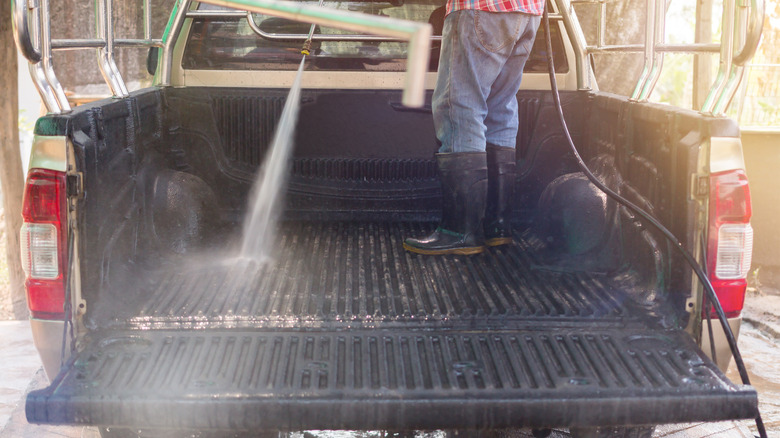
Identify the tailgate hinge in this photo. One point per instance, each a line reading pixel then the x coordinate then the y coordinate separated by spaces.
pixel 700 186
pixel 75 185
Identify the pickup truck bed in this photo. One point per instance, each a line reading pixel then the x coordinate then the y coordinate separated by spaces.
pixel 581 322
pixel 346 330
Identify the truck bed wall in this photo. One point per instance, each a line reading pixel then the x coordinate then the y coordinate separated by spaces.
pixel 168 171
pixel 656 150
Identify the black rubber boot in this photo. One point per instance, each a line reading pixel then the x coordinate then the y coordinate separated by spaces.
pixel 464 187
pixel 501 189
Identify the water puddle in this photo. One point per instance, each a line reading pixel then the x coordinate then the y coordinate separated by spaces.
pixel 761 354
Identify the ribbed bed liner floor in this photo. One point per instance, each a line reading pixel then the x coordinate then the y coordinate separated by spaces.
pixel 349 273
pixel 345 330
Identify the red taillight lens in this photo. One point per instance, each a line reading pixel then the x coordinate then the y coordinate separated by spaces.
pixel 43 241
pixel 730 243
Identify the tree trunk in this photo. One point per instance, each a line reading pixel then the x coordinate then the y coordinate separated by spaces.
pixel 77 70
pixel 11 178
pixel 625 24
pixel 702 64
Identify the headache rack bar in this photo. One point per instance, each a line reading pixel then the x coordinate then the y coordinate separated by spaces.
pixel 741 24
pixel 32 24
pixel 32 31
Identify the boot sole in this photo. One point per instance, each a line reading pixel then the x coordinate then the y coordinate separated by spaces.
pixel 470 250
pixel 498 241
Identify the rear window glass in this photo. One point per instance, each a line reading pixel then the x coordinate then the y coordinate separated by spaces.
pixel 231 43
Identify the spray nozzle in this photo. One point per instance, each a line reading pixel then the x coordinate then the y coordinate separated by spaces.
pixel 306 49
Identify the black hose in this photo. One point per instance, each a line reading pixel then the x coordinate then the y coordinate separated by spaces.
pixel 707 309
pixel 709 291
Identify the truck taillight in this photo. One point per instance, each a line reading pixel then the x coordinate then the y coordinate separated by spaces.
pixel 43 241
pixel 730 245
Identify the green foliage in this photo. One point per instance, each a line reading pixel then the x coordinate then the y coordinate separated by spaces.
pixel 675 84
pixel 757 104
pixel 25 125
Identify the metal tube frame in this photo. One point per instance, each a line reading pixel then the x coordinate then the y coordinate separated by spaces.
pixel 417 34
pixel 577 38
pixel 659 36
pixel 303 37
pixel 108 68
pixel 46 66
pixel 740 30
pixel 21 29
pixel 31 23
pixel 726 57
pixel 746 36
pixel 666 48
pixel 648 48
pixel 318 37
pixel 32 32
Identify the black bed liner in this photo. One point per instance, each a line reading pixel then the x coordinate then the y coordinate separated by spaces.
pixel 345 330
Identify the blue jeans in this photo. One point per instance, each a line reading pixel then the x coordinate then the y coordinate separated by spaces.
pixel 480 68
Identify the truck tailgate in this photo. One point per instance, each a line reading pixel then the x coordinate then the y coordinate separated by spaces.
pixel 344 330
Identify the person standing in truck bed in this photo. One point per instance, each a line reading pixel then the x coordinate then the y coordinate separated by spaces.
pixel 485 44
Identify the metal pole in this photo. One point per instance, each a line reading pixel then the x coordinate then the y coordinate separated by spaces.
pixel 37 73
pixel 574 31
pixel 659 35
pixel 650 9
pixel 702 64
pixel 301 36
pixel 737 69
pixel 24 42
pixel 106 54
pixel 601 25
pixel 46 61
pixel 418 34
pixel 44 88
pixel 726 52
pixel 172 30
pixel 148 20
pixel 752 34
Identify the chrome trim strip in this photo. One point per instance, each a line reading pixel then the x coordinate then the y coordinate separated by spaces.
pixel 722 349
pixel 47 337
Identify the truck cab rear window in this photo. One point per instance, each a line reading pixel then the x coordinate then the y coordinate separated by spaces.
pixel 222 43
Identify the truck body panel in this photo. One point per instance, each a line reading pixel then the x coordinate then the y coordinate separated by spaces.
pixel 589 319
pixel 580 323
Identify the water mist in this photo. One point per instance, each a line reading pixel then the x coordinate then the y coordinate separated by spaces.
pixel 265 199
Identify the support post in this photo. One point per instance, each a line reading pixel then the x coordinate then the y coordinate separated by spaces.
pixel 702 63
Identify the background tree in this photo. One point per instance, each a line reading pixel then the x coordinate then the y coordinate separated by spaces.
pixel 625 24
pixel 78 70
pixel 11 178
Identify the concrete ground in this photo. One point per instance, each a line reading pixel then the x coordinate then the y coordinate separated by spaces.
pixel 21 371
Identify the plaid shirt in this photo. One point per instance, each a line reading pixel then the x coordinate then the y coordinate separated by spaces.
pixel 533 7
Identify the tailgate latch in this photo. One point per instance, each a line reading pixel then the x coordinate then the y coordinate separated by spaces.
pixel 75 185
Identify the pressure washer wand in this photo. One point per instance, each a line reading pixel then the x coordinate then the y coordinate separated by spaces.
pixel 306 49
